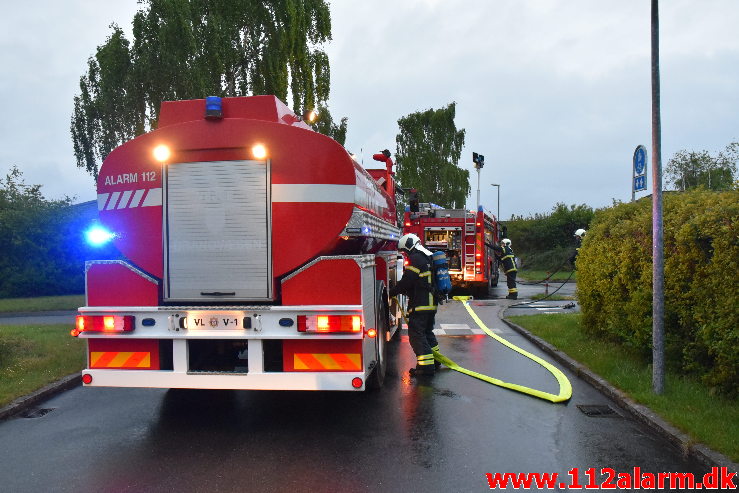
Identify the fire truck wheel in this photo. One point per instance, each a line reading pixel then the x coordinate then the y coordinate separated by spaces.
pixel 382 322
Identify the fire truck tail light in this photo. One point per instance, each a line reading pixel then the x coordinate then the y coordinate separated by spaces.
pixel 371 333
pixel 357 383
pixel 408 224
pixel 326 324
pixel 87 379
pixel 104 323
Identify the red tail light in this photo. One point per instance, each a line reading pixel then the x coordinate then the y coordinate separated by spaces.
pixel 325 324
pixel 103 323
pixel 408 224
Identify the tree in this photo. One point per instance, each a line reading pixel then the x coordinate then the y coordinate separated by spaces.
pixel 37 255
pixel 327 126
pixel 687 169
pixel 428 151
pixel 186 49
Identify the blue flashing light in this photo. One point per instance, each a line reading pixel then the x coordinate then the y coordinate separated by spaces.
pixel 407 208
pixel 366 230
pixel 98 236
pixel 479 208
pixel 213 108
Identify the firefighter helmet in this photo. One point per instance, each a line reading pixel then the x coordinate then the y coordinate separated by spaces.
pixel 408 242
pixel 580 233
pixel 506 242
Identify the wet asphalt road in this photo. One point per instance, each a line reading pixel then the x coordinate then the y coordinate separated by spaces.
pixel 441 435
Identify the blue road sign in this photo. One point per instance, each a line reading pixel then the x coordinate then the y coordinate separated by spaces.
pixel 640 160
pixel 640 183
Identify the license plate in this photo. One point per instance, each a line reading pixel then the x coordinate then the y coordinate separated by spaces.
pixel 214 321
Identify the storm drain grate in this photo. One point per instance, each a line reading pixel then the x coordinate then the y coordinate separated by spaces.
pixel 37 413
pixel 598 411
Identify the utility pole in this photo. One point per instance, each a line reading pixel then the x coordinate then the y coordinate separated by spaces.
pixel 658 278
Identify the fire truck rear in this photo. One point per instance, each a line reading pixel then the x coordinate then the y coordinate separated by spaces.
pixel 257 254
pixel 465 236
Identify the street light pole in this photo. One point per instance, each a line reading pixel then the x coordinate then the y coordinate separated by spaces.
pixel 497 214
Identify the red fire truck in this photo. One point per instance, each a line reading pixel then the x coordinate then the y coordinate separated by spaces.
pixel 466 237
pixel 257 255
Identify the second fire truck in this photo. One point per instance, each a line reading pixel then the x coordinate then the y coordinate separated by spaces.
pixel 466 237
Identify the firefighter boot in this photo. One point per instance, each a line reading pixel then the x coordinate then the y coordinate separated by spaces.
pixel 512 296
pixel 422 371
pixel 424 366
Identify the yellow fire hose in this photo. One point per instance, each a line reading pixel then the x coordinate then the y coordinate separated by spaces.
pixel 565 388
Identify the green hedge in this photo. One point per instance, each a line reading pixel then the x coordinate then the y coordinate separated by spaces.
pixel 701 249
pixel 546 241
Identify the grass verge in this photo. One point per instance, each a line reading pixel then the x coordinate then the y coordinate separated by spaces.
pixel 42 303
pixel 686 403
pixel 34 356
pixel 538 275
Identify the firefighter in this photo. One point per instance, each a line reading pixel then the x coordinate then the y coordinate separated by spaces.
pixel 506 257
pixel 416 283
pixel 579 234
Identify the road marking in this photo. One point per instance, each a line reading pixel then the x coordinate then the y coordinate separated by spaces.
pixel 451 330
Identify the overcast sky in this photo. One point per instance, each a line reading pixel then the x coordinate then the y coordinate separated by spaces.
pixel 554 93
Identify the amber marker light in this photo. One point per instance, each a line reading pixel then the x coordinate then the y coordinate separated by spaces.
pixel 322 324
pixel 259 151
pixel 371 333
pixel 162 153
pixel 310 116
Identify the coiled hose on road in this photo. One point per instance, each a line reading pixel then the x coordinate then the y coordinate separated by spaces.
pixel 523 304
pixel 565 388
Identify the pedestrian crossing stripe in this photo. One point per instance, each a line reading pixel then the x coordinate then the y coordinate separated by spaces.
pixel 457 330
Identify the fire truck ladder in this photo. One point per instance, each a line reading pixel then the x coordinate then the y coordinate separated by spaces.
pixel 470 246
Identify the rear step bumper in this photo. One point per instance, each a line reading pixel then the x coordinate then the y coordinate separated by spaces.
pixel 235 381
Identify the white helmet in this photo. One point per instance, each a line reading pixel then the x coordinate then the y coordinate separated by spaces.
pixel 580 233
pixel 506 242
pixel 408 242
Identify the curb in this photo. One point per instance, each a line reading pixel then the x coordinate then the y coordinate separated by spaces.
pixel 641 413
pixel 23 403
